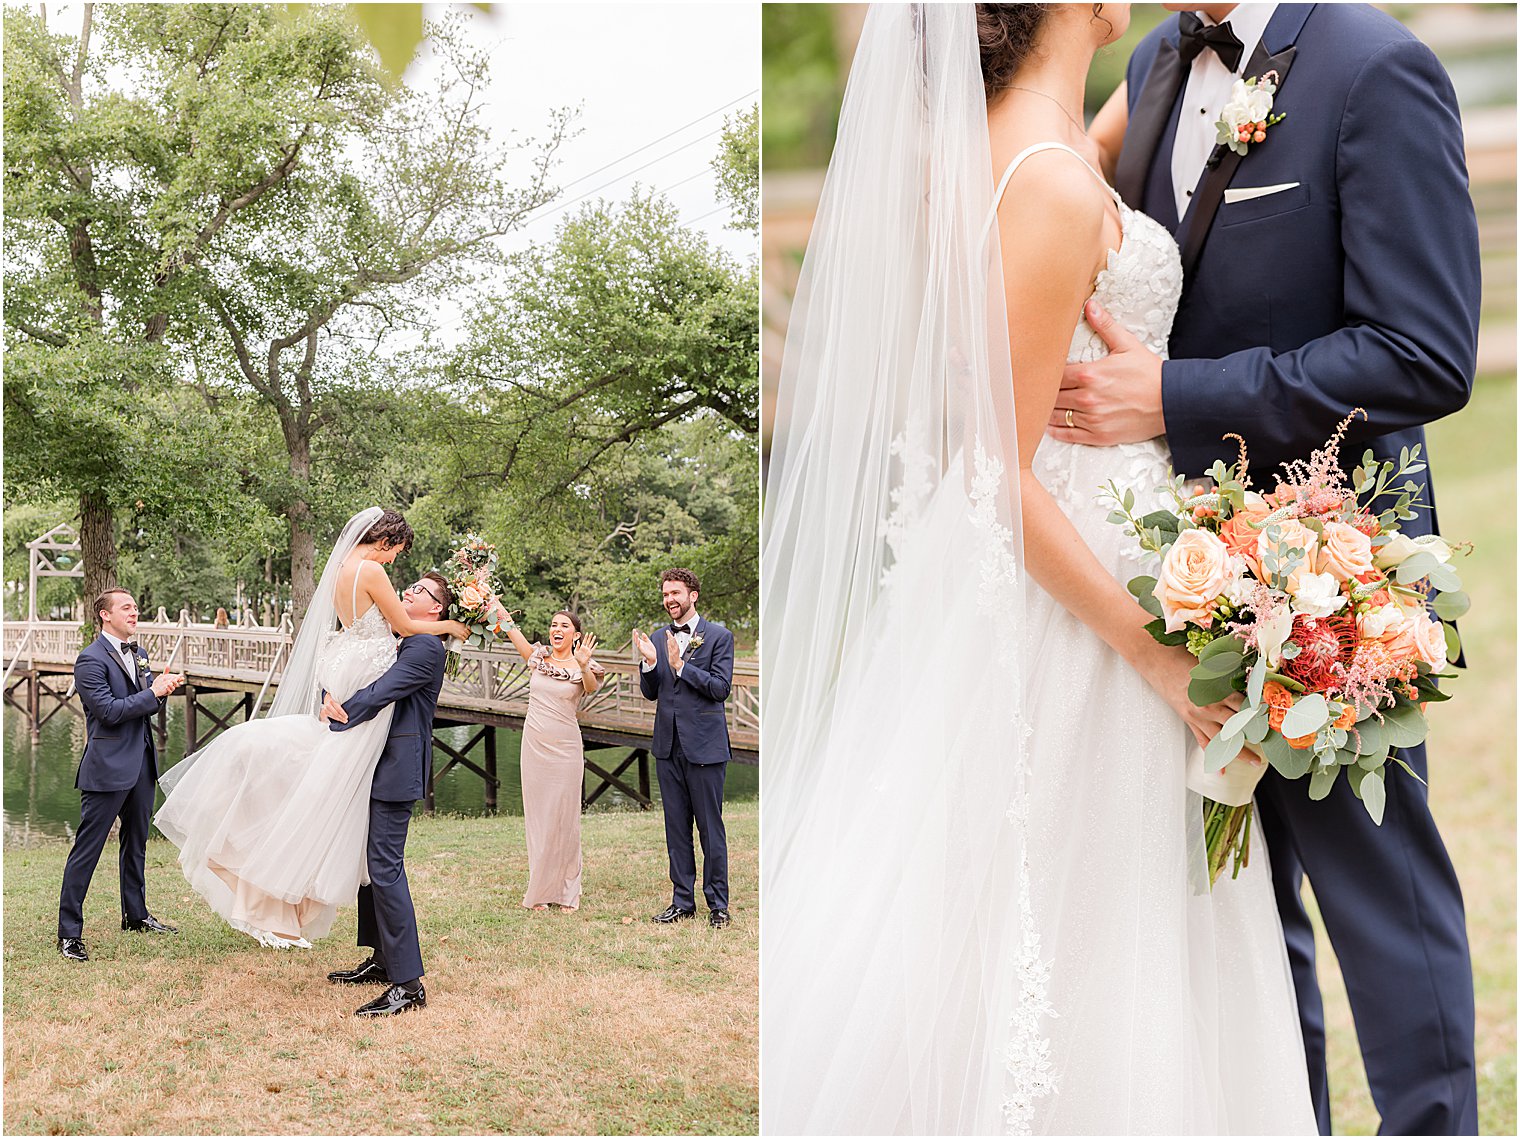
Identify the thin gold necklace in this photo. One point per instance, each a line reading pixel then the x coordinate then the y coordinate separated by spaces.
pixel 1052 98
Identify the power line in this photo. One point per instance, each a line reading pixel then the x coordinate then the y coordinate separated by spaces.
pixel 662 138
pixel 620 178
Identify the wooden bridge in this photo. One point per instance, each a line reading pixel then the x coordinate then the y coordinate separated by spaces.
pixel 490 691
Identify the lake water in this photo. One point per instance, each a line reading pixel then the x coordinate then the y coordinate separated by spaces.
pixel 41 804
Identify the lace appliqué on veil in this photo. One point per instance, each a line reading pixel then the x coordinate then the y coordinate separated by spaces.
pixel 1027 1053
pixel 908 497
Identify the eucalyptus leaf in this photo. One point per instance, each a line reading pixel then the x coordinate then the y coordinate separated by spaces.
pixel 1307 715
pixel 1290 762
pixel 1323 780
pixel 1374 796
pixel 1450 605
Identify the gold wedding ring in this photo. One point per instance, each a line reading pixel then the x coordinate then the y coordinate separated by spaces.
pixel 1069 422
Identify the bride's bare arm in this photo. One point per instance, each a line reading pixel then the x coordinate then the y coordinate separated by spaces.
pixel 1051 225
pixel 377 586
pixel 1107 129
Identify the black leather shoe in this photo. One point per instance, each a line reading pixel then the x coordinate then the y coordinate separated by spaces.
pixel 370 973
pixel 717 919
pixel 670 914
pixel 148 924
pixel 73 948
pixel 395 999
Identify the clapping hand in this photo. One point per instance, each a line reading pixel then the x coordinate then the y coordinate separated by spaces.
pixel 672 652
pixel 583 653
pixel 332 710
pixel 644 647
pixel 167 682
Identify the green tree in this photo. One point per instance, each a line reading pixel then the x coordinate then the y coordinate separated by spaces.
pixel 737 166
pixel 125 167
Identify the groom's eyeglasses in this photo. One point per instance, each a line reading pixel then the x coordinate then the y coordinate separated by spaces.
pixel 420 588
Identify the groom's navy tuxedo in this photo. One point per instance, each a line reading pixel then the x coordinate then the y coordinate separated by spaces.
pixel 387 921
pixel 692 751
pixel 1356 287
pixel 115 779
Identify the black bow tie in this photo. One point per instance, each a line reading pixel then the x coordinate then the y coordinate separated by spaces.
pixel 1220 38
pixel 129 647
pixel 680 628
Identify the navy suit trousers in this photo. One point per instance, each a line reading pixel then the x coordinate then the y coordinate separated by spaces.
pixel 387 921
pixel 693 793
pixel 97 811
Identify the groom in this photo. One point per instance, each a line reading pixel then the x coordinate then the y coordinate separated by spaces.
pixel 387 921
pixel 689 673
pixel 1332 266
pixel 117 772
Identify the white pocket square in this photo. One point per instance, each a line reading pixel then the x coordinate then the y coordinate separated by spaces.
pixel 1246 193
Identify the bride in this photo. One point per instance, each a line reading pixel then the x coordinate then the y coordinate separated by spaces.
pixel 986 908
pixel 271 816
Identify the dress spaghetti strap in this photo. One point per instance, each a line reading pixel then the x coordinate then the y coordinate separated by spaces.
pixel 1018 160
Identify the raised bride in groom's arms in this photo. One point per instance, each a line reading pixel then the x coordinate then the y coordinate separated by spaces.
pixel 1333 264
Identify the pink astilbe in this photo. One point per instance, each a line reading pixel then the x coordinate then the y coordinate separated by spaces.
pixel 1370 677
pixel 1317 486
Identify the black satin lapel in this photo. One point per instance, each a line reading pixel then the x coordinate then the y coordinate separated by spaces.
pixel 1221 168
pixel 1158 98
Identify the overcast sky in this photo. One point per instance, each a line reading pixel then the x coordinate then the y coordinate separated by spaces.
pixel 638 71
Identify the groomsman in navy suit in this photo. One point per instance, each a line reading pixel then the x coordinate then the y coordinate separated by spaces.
pixel 1333 265
pixel 387 919
pixel 689 673
pixel 118 770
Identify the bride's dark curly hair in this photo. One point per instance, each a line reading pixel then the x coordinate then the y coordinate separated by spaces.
pixel 390 528
pixel 1007 33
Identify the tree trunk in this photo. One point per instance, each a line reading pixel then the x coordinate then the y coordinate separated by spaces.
pixel 97 541
pixel 303 546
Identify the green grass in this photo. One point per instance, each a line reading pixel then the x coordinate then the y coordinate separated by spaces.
pixel 1472 759
pixel 593 1022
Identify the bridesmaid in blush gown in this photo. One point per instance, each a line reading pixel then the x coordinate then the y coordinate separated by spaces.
pixel 553 759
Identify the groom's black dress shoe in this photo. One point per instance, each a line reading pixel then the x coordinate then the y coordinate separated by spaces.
pixel 717 919
pixel 395 999
pixel 73 948
pixel 370 973
pixel 670 914
pixel 147 924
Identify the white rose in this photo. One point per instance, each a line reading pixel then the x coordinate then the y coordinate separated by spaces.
pixel 1317 595
pixel 1239 589
pixel 1393 552
pixel 1384 621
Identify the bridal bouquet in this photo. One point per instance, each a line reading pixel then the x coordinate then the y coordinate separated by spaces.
pixel 471 574
pixel 1310 602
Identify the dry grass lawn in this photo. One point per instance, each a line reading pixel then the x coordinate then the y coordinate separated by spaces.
pixel 595 1022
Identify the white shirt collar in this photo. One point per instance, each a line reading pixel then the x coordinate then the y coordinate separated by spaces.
pixel 1249 23
pixel 691 621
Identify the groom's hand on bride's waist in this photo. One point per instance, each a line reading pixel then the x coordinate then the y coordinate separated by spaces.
pixel 1113 400
pixel 332 712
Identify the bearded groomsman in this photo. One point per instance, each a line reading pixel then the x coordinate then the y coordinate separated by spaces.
pixel 118 772
pixel 689 674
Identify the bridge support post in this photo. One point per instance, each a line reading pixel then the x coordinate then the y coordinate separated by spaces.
pixel 639 795
pixel 491 781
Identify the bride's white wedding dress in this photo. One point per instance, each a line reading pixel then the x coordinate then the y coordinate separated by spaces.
pixel 272 816
pixel 1174 1006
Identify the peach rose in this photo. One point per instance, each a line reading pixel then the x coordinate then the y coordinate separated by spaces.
pixel 1193 574
pixel 1344 551
pixel 1430 641
pixel 1237 534
pixel 471 597
pixel 1291 535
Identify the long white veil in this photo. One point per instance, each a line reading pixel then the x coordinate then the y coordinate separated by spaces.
pixel 901 978
pixel 299 692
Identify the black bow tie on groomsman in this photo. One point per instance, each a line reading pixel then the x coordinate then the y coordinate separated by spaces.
pixel 681 629
pixel 1196 36
pixel 130 647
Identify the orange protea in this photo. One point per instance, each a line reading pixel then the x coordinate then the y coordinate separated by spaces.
pixel 1322 644
pixel 1366 523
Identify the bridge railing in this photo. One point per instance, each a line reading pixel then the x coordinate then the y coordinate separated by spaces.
pixel 487 680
